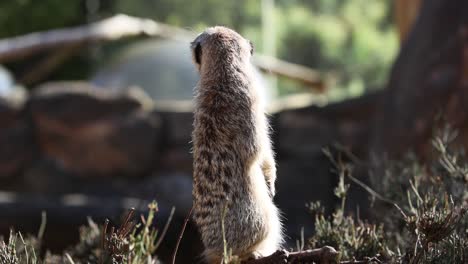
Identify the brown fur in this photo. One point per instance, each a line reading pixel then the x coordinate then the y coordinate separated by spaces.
pixel 234 167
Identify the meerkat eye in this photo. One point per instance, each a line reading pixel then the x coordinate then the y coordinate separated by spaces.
pixel 251 48
pixel 198 53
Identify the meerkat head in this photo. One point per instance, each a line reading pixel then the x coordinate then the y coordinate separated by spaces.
pixel 220 44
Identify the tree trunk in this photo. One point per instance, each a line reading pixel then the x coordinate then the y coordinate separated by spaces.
pixel 428 77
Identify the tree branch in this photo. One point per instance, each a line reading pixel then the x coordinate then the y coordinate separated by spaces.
pixel 113 28
pixel 43 68
pixel 324 255
pixel 123 26
pixel 307 76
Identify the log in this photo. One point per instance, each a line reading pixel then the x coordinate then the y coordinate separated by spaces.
pixel 306 76
pixel 323 255
pixel 123 26
pixel 98 133
pixel 406 11
pixel 113 28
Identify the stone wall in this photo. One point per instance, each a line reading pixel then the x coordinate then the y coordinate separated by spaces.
pixel 71 149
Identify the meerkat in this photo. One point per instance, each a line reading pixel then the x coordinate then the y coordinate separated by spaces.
pixel 234 165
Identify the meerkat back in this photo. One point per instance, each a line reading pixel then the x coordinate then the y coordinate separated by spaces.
pixel 234 166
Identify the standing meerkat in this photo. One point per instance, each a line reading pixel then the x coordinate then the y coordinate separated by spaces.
pixel 234 166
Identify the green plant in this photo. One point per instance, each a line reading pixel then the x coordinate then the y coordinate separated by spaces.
pixel 430 196
pixel 228 258
pixel 433 223
pixel 353 237
pixel 22 250
pixel 131 243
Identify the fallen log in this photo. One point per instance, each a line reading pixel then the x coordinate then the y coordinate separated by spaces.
pixel 323 255
pixel 69 41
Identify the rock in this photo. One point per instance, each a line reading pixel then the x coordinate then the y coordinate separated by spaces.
pixel 304 173
pixel 16 139
pixel 291 139
pixel 177 155
pixel 300 181
pixel 89 131
pixel 178 126
pixel 304 132
pixel 171 189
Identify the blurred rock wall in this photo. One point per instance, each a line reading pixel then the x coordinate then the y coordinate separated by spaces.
pixel 67 138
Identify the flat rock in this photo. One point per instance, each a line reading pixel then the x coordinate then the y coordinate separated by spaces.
pixel 16 139
pixel 91 131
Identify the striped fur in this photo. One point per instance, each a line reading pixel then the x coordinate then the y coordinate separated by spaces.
pixel 234 166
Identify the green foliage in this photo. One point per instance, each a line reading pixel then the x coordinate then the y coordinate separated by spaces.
pixel 143 240
pixel 351 39
pixel 18 17
pixel 228 257
pixel 430 203
pixel 25 16
pixel 89 247
pixel 201 14
pixel 429 224
pixel 453 249
pixel 436 202
pixel 131 243
pixel 8 250
pixel 353 238
pixel 409 180
pixel 19 250
pixel 433 222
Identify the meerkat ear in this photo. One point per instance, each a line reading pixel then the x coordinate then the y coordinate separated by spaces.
pixel 198 53
pixel 251 48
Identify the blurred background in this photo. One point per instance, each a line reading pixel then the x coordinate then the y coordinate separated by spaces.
pixel 96 112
